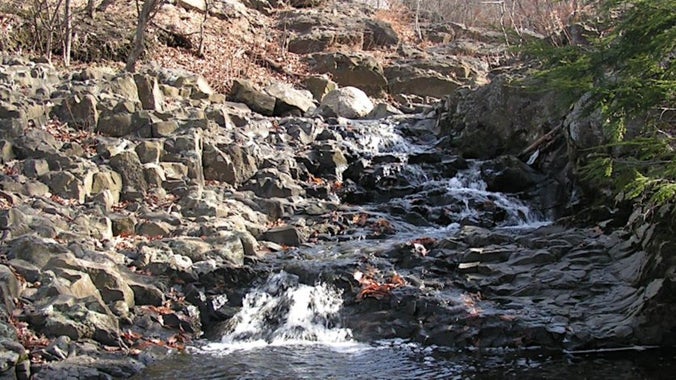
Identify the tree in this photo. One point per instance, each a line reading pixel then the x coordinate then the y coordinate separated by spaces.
pixel 145 14
pixel 630 73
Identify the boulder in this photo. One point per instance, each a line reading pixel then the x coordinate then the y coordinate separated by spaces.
pixel 129 167
pixel 379 33
pixel 347 102
pixel 499 118
pixel 290 100
pixel 285 235
pixel 271 183
pixel 149 92
pixel 230 163
pixel 319 86
pixel 78 111
pixel 259 101
pixel 65 185
pixel 358 69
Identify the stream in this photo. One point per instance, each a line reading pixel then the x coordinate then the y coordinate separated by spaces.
pixel 468 257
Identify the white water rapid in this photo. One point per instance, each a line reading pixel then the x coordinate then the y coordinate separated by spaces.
pixel 284 312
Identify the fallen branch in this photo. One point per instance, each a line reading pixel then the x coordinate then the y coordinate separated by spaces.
pixel 545 138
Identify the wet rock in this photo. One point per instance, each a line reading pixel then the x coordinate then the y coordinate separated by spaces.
pixel 508 174
pixel 285 235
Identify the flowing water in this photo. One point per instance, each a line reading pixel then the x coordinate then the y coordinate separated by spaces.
pixel 287 330
pixel 290 330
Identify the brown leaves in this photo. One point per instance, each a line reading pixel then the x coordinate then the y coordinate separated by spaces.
pixel 136 342
pixel 374 289
pixel 383 227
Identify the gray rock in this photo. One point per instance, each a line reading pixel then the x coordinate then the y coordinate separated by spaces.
pixel 319 86
pixel 233 164
pixel 35 168
pixel 358 70
pixel 348 102
pixel 65 185
pixel 285 235
pixel 270 183
pixel 163 128
pixel 289 99
pixel 78 111
pixel 128 166
pixel 379 34
pixel 149 92
pixel 259 101
pixel 149 151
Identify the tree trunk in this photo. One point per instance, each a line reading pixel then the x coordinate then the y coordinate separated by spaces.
pixel 91 8
pixel 145 14
pixel 68 34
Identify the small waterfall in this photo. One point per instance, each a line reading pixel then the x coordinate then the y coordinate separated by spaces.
pixel 468 185
pixel 282 312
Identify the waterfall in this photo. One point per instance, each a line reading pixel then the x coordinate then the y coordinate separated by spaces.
pixel 282 312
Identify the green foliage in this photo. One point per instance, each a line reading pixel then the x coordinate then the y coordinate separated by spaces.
pixel 629 69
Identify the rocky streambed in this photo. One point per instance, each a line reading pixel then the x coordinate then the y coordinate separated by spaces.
pixel 139 210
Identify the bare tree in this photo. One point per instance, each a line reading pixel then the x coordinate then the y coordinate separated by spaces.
pixel 68 33
pixel 203 24
pixel 145 14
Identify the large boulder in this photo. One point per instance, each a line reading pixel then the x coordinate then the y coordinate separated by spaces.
pixel 499 118
pixel 259 101
pixel 348 102
pixel 290 100
pixel 359 70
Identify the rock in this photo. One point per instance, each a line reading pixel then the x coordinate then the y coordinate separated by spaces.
pixel 319 86
pixel 347 102
pixel 128 166
pixel 259 101
pixel 305 3
pixel 9 288
pixel 78 111
pixel 163 128
pixel 234 164
pixel 35 168
pixel 149 151
pixel 6 151
pixel 358 70
pixel 290 100
pixel 379 34
pixel 123 86
pixel 70 316
pixel 270 183
pixel 285 235
pixel 65 185
pixel 508 174
pixel 499 119
pixel 107 180
pixel 149 92
pixel 154 229
pixel 109 282
pixel 423 84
